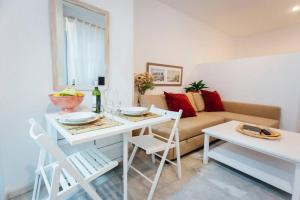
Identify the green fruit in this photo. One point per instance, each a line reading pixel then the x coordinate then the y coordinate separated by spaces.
pixel 68 92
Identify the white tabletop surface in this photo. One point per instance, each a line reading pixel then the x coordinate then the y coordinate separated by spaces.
pixel 127 126
pixel 287 148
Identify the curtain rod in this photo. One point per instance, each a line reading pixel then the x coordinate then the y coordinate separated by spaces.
pixel 80 20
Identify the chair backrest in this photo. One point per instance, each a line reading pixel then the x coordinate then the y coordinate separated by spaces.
pixel 39 135
pixel 173 115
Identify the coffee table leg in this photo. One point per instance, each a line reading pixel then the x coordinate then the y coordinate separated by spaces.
pixel 206 148
pixel 296 186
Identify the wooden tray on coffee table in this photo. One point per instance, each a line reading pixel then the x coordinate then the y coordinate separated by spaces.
pixel 275 135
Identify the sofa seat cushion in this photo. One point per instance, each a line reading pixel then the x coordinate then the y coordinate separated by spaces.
pixel 248 119
pixel 189 127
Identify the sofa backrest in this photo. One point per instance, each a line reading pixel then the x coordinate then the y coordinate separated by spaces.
pixel 158 100
pixel 266 111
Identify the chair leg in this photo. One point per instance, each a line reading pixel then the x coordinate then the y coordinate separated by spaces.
pixel 37 187
pixel 55 183
pixel 152 155
pixel 178 158
pixel 134 150
pixel 84 184
pixel 132 157
pixel 153 158
pixel 90 190
pixel 158 173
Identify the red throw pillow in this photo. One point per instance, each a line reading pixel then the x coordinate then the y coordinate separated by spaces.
pixel 176 102
pixel 212 101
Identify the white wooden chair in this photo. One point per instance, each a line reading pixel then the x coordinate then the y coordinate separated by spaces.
pixel 68 172
pixel 153 143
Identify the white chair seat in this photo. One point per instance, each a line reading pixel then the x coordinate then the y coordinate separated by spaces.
pixel 149 143
pixel 153 144
pixel 90 163
pixel 68 172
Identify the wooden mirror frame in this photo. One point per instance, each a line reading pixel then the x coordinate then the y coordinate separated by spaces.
pixel 57 40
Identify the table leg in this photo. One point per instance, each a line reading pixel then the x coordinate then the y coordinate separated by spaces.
pixel 296 186
pixel 125 165
pixel 52 133
pixel 206 148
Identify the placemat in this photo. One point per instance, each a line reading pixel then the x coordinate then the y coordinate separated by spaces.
pixel 99 124
pixel 139 118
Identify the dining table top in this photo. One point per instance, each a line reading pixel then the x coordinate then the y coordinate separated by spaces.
pixel 125 127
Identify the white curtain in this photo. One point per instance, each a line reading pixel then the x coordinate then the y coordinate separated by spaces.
pixel 84 52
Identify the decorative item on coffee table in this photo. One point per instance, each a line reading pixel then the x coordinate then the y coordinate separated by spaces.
pixel 195 86
pixel 258 131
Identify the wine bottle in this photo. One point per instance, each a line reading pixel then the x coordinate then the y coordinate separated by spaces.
pixel 96 99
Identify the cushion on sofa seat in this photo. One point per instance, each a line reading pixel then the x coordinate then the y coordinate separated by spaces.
pixel 191 99
pixel 248 119
pixel 199 102
pixel 189 127
pixel 212 101
pixel 177 101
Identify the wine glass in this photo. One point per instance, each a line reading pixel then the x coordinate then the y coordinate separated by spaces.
pixel 117 102
pixel 109 104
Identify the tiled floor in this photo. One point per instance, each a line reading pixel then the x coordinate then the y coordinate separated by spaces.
pixel 214 181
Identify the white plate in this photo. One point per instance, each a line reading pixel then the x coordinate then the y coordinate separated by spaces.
pixel 63 121
pixel 77 117
pixel 135 111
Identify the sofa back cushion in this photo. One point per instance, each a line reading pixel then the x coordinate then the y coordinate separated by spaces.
pixel 176 102
pixel 212 101
pixel 158 101
pixel 199 102
pixel 191 99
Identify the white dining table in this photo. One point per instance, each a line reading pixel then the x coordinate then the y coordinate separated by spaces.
pixel 54 128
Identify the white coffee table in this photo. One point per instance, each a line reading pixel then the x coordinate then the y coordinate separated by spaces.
pixel 276 162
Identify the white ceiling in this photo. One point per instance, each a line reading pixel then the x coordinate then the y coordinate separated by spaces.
pixel 240 17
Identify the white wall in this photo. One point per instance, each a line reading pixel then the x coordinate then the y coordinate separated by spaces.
pixel 26 77
pixel 2 186
pixel 167 36
pixel 298 123
pixel 271 80
pixel 285 40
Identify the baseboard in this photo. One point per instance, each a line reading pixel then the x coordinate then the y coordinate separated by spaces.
pixel 19 192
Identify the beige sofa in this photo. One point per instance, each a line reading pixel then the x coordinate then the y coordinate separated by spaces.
pixel 190 129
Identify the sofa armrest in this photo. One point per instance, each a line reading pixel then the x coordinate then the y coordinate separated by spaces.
pixel 266 111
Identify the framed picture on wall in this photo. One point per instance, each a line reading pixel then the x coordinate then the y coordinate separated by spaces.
pixel 165 75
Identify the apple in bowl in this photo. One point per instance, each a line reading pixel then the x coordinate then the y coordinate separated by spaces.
pixel 67 100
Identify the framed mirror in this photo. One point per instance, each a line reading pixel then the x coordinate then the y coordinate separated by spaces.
pixel 80 44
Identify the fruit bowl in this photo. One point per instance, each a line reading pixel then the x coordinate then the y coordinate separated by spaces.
pixel 67 104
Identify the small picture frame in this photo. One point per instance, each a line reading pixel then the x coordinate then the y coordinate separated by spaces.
pixel 165 75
